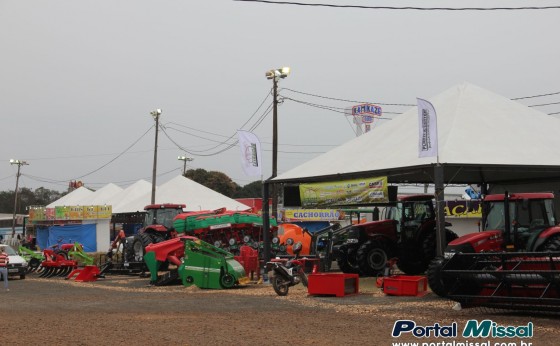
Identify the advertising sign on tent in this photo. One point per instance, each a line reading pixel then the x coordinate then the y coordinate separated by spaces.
pixel 348 192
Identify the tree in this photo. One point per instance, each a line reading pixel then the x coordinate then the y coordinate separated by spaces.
pixel 251 190
pixel 216 181
pixel 26 198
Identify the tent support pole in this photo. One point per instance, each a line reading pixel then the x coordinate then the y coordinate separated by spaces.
pixel 440 205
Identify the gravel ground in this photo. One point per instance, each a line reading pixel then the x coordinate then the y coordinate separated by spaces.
pixel 121 310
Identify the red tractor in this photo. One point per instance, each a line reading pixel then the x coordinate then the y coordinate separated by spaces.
pixel 407 232
pixel 158 226
pixel 514 262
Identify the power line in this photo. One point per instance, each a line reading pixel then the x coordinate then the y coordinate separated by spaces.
pixel 406 7
pixel 545 104
pixel 351 101
pixel 530 97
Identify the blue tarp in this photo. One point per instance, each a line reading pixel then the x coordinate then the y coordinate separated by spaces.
pixel 68 234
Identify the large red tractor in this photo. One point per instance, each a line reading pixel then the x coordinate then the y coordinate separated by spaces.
pixel 514 262
pixel 407 232
pixel 158 226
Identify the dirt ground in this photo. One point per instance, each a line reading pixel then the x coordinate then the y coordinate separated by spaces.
pixel 124 310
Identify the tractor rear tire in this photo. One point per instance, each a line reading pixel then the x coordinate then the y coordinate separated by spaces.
pixel 411 259
pixel 347 260
pixel 373 255
pixel 141 240
pixel 437 284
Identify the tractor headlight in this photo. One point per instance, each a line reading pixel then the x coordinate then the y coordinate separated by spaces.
pixel 448 255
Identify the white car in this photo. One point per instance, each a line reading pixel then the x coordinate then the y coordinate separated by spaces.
pixel 17 265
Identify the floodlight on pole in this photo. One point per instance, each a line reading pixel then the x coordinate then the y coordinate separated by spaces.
pixel 184 159
pixel 19 163
pixel 156 115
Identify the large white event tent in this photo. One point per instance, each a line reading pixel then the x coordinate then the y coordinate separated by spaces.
pixel 483 137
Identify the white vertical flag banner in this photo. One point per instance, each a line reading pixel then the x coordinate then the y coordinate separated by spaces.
pixel 427 127
pixel 250 153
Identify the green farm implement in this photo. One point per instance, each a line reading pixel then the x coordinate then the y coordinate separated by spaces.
pixel 197 263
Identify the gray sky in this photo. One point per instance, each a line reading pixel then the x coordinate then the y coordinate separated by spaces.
pixel 80 78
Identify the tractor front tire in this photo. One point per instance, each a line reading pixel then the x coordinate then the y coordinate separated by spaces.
pixel 347 260
pixel 429 243
pixel 373 255
pixel 437 283
pixel 552 244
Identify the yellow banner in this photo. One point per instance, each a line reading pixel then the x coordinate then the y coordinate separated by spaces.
pixel 90 212
pixel 76 212
pixel 348 192
pixel 311 215
pixel 104 211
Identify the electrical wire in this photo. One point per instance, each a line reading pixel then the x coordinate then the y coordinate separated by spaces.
pixel 545 104
pixel 405 7
pixel 351 101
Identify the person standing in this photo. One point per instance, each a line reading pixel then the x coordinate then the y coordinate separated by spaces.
pixel 4 260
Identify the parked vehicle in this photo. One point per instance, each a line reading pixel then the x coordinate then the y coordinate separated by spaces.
pixel 17 265
pixel 158 226
pixel 283 275
pixel 407 231
pixel 514 262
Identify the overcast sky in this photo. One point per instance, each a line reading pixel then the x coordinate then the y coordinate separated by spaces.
pixel 80 78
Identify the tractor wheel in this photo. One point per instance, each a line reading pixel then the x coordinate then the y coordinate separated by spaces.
pixel 373 255
pixel 139 244
pixel 280 285
pixel 227 280
pixel 437 284
pixel 347 260
pixel 552 244
pixel 411 259
pixel 429 243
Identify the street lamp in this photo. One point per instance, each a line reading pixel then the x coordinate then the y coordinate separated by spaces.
pixel 275 75
pixel 185 159
pixel 19 164
pixel 156 115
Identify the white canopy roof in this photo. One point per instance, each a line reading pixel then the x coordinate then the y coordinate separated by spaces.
pixel 73 198
pixel 182 190
pixel 483 137
pixel 102 196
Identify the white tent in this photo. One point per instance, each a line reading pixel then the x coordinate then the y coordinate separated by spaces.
pixel 139 188
pixel 181 190
pixel 102 196
pixel 73 198
pixel 483 137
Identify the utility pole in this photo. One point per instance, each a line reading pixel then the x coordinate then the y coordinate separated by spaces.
pixel 275 75
pixel 156 115
pixel 19 164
